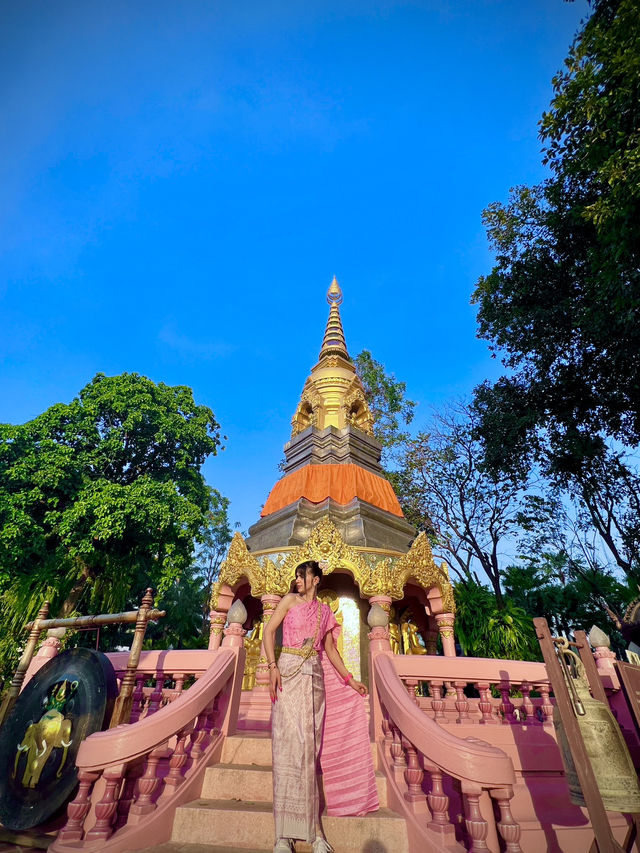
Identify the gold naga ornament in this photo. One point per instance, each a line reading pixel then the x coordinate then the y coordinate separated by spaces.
pixel 610 760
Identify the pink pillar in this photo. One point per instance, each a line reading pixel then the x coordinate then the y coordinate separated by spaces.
pixel 234 637
pixel 269 604
pixel 605 665
pixel 445 622
pixel 378 644
pixel 219 617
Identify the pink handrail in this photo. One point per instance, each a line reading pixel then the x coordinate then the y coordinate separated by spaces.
pixel 126 743
pixel 462 758
pixel 424 667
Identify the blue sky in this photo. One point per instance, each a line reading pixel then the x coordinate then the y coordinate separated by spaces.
pixel 180 181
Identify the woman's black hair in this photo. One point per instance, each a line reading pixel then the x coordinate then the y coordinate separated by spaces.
pixel 301 569
pixel 309 564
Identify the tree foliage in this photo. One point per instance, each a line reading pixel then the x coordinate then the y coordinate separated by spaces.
pixel 387 401
pixel 562 303
pixel 485 630
pixel 468 511
pixel 101 497
pixel 213 541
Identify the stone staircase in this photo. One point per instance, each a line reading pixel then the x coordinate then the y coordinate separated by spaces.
pixel 234 811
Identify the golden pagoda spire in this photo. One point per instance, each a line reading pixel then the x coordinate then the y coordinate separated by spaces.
pixel 333 394
pixel 334 342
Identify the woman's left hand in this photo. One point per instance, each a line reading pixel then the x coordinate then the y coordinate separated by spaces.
pixel 359 687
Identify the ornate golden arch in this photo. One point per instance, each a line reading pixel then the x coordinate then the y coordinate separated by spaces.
pixel 326 545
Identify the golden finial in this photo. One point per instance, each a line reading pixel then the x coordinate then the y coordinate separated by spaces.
pixel 334 294
pixel 333 394
pixel 334 342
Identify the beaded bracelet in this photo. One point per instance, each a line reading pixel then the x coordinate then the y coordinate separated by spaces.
pixel 348 678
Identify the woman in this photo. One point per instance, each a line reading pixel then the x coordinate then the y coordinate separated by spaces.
pixel 308 677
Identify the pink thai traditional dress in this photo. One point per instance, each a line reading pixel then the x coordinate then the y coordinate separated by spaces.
pixel 317 716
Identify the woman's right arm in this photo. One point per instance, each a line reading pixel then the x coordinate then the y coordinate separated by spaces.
pixel 268 638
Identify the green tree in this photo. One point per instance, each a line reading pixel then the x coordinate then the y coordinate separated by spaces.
pixel 469 512
pixel 387 400
pixel 213 541
pixel 485 630
pixel 101 497
pixel 561 304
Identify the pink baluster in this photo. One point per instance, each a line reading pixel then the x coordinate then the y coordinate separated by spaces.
pixel 485 706
pixel 127 795
pixel 155 700
pixel 386 728
pixel 438 801
pixel 107 805
pixel 411 684
pixel 200 734
pixel 179 679
pixel 397 753
pixel 78 808
pixel 148 784
pixel 547 707
pixel 477 827
pixel 413 775
pixel 508 828
pixel 137 699
pixel 437 702
pixel 506 705
pixel 212 719
pixel 179 757
pixel 527 704
pixel 462 703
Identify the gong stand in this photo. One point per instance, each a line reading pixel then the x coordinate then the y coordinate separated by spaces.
pixel 569 707
pixel 142 616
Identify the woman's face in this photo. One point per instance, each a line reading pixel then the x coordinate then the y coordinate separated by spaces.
pixel 305 580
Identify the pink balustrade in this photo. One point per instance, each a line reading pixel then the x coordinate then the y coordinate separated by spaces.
pixel 454 792
pixel 161 676
pixel 133 777
pixel 477 691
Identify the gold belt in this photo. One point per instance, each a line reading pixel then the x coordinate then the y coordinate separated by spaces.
pixel 304 653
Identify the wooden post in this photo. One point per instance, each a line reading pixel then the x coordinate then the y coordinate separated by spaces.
pixel 23 666
pixel 122 707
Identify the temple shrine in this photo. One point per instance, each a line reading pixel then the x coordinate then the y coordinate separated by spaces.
pixel 335 505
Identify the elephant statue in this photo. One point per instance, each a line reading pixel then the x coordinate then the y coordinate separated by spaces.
pixel 51 731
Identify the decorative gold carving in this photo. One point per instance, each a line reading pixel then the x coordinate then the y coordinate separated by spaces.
pixel 239 563
pixel 418 563
pixel 356 410
pixel 326 544
pixel 388 577
pixel 271 580
pixel 306 414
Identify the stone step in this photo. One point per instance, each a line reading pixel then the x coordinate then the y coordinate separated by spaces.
pixel 249 826
pixel 255 748
pixel 247 749
pixel 253 782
